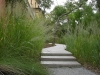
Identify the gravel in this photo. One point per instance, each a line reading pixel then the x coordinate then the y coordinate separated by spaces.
pixel 70 71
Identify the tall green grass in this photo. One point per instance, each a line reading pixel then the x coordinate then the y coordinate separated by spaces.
pixel 84 43
pixel 21 41
pixel 20 37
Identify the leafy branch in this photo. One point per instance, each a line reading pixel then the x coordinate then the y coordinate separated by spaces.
pixel 57 22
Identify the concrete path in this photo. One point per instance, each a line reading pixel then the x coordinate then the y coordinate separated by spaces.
pixel 57 56
pixel 61 62
pixel 69 71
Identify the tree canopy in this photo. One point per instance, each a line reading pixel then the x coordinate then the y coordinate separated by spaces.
pixel 58 11
pixel 45 4
pixel 72 14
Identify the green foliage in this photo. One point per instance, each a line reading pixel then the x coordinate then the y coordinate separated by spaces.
pixel 70 5
pixel 45 4
pixel 21 37
pixel 97 3
pixel 84 43
pixel 58 11
pixel 21 42
pixel 82 15
pixel 21 66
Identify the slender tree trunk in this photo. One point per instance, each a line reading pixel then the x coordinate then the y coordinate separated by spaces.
pixel 55 33
pixel 54 38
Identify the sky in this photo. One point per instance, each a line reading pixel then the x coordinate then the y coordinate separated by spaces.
pixel 58 2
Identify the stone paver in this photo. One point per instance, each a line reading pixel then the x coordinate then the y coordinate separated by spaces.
pixel 57 56
pixel 61 63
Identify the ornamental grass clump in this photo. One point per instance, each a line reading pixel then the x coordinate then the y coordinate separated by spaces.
pixel 21 42
pixel 84 43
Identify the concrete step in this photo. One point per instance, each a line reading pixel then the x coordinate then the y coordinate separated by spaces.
pixel 56 54
pixel 58 58
pixel 55 64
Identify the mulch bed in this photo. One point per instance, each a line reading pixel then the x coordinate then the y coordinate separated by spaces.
pixel 96 70
pixel 48 45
